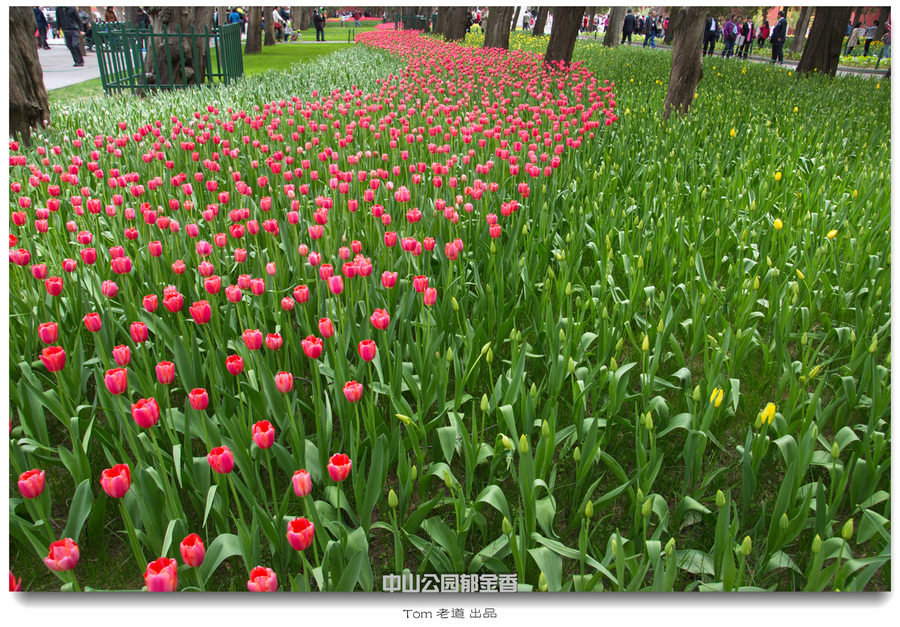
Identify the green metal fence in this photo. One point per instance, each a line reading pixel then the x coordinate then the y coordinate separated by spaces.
pixel 125 65
pixel 413 22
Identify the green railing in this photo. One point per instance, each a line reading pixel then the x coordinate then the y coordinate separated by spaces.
pixel 413 22
pixel 125 65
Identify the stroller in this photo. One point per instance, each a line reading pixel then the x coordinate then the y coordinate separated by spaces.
pixel 290 35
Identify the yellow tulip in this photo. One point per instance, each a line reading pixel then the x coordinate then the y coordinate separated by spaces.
pixel 800 274
pixel 778 224
pixel 831 234
pixel 796 109
pixel 733 133
pixel 768 414
pixel 712 397
pixel 778 176
pixel 719 397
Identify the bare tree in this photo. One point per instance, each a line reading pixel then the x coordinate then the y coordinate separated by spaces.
pixel 455 24
pixel 496 32
pixel 540 20
pixel 613 35
pixel 566 22
pixel 304 18
pixel 193 52
pixel 254 34
pixel 823 51
pixel 800 29
pixel 687 63
pixel 29 106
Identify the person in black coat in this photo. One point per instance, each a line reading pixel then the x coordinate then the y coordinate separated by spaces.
pixel 70 24
pixel 42 29
pixel 779 34
pixel 710 35
pixel 628 27
pixel 319 23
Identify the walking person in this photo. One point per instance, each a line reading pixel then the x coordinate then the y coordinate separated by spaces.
pixel 319 24
pixel 710 35
pixel 763 34
pixel 110 15
pixel 278 24
pixel 628 27
pixel 854 38
pixel 747 32
pixel 870 37
pixel 42 29
pixel 729 36
pixel 650 30
pixel 779 34
pixel 70 25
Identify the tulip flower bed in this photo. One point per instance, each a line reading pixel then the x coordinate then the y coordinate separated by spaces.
pixel 432 309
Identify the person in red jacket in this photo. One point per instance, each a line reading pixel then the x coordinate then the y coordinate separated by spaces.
pixel 763 34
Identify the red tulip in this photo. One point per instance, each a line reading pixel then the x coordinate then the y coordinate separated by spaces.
pixel 70 265
pixel 88 256
pixel 15 585
pixel 115 481
pixel 139 332
pixel 262 580
pixel 221 460
pixel 263 434
pixel 63 555
pixel 92 322
pixel 367 350
pixel 165 372
pixel 199 399
pixel 48 332
pixel 116 380
pixel 201 312
pixel 145 412
pixel 287 303
pixel 430 297
pixel 420 283
pixel 380 319
pixel 173 302
pixel 109 289
pixel 162 575
pixel 233 294
pixel 312 346
pixel 326 328
pixel 192 550
pixel 122 355
pixel 339 466
pixel 39 271
pixel 253 339
pixel 353 391
pixel 336 284
pixel 234 364
pixel 31 483
pixel 300 533
pixel 151 302
pixel 54 286
pixel 284 382
pixel 302 483
pixel 388 279
pixel 120 265
pixel 54 358
pixel 213 284
pixel 274 341
pixel 301 294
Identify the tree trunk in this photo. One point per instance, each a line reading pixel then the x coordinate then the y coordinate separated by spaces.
pixel 130 14
pixel 28 104
pixel 455 24
pixel 515 19
pixel 441 20
pixel 496 32
pixel 540 20
pixel 81 33
pixel 270 26
pixel 295 18
pixel 674 24
pixel 222 13
pixel 823 50
pixel 687 64
pixel 800 29
pixel 591 15
pixel 613 35
pixel 883 16
pixel 566 22
pixel 254 36
pixel 157 62
pixel 304 18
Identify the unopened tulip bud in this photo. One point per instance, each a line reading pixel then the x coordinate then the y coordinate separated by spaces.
pixel 647 508
pixel 640 496
pixel 670 547
pixel 562 336
pixel 571 365
pixel 615 548
pixel 485 348
pixel 613 366
pixel 454 303
pixel 485 403
pixel 649 422
pixel 874 345
pixel 645 345
pixel 696 396
pixel 507 527
pixel 756 282
pixel 448 481
pixel 542 583
pixel 847 531
pixel 413 473
pixel 852 335
pixel 720 499
pixel 404 419
pixel 759 421
pixel 545 429
pixel 604 314
pixel 589 510
pixel 507 443
pixel 551 274
pixel 783 522
pixel 393 502
pixel 523 445
pixel 746 546
pixel 533 390
pixel 620 344
pixel 449 355
pixel 804 339
pixel 835 451
pixel 489 357
pixel 568 289
pixel 816 545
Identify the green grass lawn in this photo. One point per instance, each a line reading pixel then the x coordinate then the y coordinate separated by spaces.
pixel 278 57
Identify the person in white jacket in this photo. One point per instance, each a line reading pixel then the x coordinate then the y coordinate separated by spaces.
pixel 278 24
